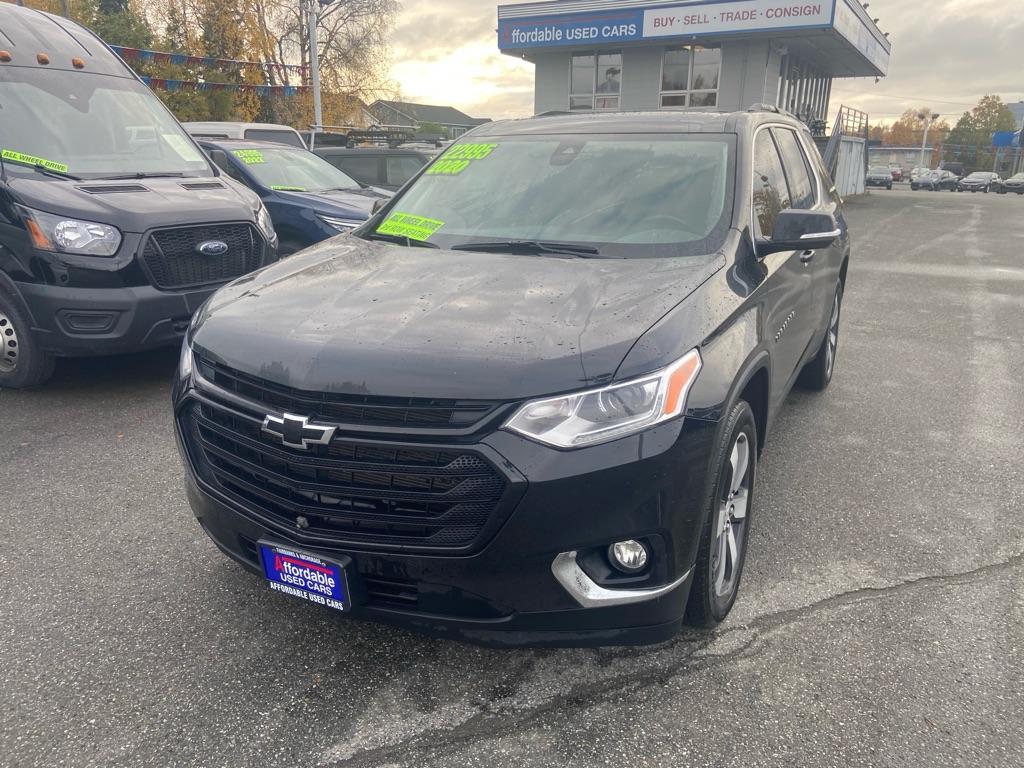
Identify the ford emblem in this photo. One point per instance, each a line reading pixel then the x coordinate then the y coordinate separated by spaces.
pixel 212 248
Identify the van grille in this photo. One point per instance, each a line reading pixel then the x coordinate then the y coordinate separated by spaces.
pixel 171 258
pixel 350 492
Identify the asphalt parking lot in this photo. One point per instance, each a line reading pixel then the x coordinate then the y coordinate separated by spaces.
pixel 881 620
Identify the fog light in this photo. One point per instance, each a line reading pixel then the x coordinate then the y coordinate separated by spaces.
pixel 628 556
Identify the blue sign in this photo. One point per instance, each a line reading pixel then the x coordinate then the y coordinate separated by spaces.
pixel 611 27
pixel 1003 139
pixel 303 575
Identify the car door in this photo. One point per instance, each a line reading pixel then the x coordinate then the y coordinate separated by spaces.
pixel 789 287
pixel 824 264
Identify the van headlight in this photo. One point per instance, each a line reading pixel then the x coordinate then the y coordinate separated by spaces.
pixel 265 224
pixel 599 415
pixel 61 234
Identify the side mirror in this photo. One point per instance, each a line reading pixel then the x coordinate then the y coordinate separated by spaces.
pixel 797 230
pixel 378 204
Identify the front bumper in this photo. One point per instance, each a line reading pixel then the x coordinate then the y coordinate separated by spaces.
pixel 102 321
pixel 513 587
pixel 878 182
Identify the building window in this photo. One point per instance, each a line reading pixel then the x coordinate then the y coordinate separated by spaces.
pixel 596 81
pixel 689 77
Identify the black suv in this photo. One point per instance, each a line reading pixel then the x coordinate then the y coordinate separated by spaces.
pixel 525 402
pixel 379 167
pixel 114 226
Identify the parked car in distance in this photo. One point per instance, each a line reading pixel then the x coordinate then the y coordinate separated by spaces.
pixel 1013 184
pixel 957 169
pixel 280 134
pixel 522 404
pixel 376 166
pixel 114 227
pixel 935 181
pixel 979 181
pixel 879 176
pixel 308 199
pixel 896 172
pixel 916 173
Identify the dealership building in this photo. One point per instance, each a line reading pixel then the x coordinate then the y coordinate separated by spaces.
pixel 593 55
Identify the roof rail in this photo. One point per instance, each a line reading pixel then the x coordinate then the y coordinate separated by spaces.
pixel 554 113
pixel 759 107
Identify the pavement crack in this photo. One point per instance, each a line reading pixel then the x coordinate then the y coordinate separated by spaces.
pixel 493 720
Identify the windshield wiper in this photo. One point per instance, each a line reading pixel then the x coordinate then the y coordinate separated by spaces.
pixel 143 175
pixel 532 247
pixel 408 242
pixel 340 189
pixel 40 168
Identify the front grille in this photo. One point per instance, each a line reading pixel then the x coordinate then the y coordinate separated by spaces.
pixel 171 258
pixel 349 409
pixel 350 492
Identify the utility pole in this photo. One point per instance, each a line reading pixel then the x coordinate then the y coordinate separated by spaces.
pixel 928 120
pixel 313 17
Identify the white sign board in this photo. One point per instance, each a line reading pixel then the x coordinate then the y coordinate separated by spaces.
pixel 739 16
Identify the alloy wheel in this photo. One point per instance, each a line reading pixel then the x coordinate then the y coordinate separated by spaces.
pixel 9 340
pixel 731 520
pixel 833 337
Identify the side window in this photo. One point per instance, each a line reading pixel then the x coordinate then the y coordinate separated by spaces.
pixel 801 184
pixel 771 194
pixel 362 169
pixel 220 157
pixel 401 168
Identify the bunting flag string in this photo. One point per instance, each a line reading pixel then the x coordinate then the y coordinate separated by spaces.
pixel 166 84
pixel 184 59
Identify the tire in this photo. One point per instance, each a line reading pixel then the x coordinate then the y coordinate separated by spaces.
pixel 817 374
pixel 22 363
pixel 986 190
pixel 719 567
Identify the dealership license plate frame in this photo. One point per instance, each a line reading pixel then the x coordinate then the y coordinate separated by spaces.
pixel 284 576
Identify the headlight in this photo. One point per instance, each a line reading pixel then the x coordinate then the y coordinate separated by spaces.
pixel 599 415
pixel 60 234
pixel 265 224
pixel 185 362
pixel 342 225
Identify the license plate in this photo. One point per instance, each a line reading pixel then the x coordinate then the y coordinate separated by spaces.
pixel 305 576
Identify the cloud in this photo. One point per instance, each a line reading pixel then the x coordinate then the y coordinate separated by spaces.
pixel 946 55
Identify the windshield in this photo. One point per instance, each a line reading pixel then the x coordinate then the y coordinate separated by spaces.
pixel 879 171
pixel 91 126
pixel 622 195
pixel 295 170
pixel 980 175
pixel 1017 177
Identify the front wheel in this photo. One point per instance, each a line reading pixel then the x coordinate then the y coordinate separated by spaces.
pixel 817 374
pixel 22 363
pixel 723 541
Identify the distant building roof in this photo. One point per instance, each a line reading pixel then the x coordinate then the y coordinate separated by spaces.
pixel 430 113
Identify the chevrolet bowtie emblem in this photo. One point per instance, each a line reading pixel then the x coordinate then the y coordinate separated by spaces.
pixel 296 431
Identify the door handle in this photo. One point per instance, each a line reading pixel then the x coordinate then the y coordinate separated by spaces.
pixel 806 257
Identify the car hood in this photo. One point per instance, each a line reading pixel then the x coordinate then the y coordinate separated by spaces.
pixel 358 317
pixel 340 202
pixel 137 206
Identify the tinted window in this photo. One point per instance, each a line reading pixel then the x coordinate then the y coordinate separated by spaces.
pixel 362 169
pixel 801 185
pixel 294 170
pixel 771 194
pixel 401 169
pixel 281 137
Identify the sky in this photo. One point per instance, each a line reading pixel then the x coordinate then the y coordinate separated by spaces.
pixel 946 55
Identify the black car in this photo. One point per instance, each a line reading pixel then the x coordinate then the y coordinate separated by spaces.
pixel 523 403
pixel 376 166
pixel 979 181
pixel 114 227
pixel 1013 184
pixel 879 176
pixel 936 181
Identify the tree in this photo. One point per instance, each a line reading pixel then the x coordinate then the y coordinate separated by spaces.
pixel 908 131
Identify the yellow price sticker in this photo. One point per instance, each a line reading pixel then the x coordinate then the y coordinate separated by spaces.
pixel 21 157
pixel 249 156
pixel 459 158
pixel 407 225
